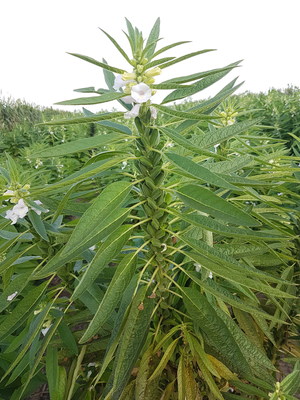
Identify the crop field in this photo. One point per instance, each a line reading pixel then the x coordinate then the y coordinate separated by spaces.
pixel 151 253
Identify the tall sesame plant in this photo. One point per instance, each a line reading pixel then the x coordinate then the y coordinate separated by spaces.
pixel 157 288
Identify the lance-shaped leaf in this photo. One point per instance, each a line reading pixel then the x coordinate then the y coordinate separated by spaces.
pixel 112 296
pixel 13 289
pixel 92 100
pixel 187 144
pixel 85 120
pixel 183 114
pixel 185 57
pixel 118 47
pixel 206 319
pixel 169 46
pixel 20 313
pixel 98 63
pixel 79 145
pixel 198 86
pixel 220 292
pixel 132 340
pixel 219 135
pixel 84 173
pixel 199 75
pixel 221 258
pixel 259 362
pixel 152 39
pixel 238 277
pixel 113 126
pixel 215 226
pixel 94 223
pixel 197 171
pixel 202 199
pixel 106 252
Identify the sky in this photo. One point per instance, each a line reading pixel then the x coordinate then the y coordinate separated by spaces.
pixel 37 34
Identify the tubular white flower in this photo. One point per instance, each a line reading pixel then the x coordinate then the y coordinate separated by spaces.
pixel 18 211
pixel 141 93
pixel 153 112
pixel 134 112
pixel 11 296
pixel 36 210
pixel 128 99
pixel 119 82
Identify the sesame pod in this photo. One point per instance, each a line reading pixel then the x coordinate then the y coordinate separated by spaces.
pixel 139 125
pixel 149 182
pixel 154 137
pixel 145 161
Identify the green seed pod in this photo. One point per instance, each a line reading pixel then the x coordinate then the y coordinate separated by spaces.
pixel 154 137
pixel 149 182
pixel 146 162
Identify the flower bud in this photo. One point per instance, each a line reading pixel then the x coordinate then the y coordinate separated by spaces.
pixel 153 72
pixel 140 68
pixel 127 76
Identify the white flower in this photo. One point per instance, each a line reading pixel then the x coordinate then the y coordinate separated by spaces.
pixel 153 111
pixel 141 92
pixel 18 211
pixel 11 296
pixel 92 248
pixel 36 210
pixel 197 267
pixel 119 82
pixel 45 330
pixel 216 146
pixel 134 112
pixel 128 99
pixel 210 275
pixel 124 164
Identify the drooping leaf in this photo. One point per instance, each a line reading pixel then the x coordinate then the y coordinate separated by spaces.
pixel 98 63
pixel 198 171
pixel 203 199
pixel 112 296
pixel 104 98
pixel 79 145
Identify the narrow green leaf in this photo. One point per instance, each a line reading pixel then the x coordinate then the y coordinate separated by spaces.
pixel 187 144
pixel 152 39
pixel 199 75
pixel 215 226
pixel 106 252
pixel 198 86
pixel 202 199
pixel 183 114
pixel 237 277
pixel 164 360
pixel 83 174
pixel 104 98
pixel 20 313
pixel 79 145
pixel 98 63
pixel 220 292
pixel 67 338
pixel 205 318
pixel 85 120
pixel 112 296
pixel 52 370
pixel 199 172
pixel 219 135
pixel 132 340
pixel 13 289
pixel 169 46
pixel 93 224
pixel 118 47
pixel 185 57
pixel 38 224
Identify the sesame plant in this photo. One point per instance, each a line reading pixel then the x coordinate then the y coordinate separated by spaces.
pixel 164 268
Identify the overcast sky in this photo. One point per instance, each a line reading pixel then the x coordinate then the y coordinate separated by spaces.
pixel 36 34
